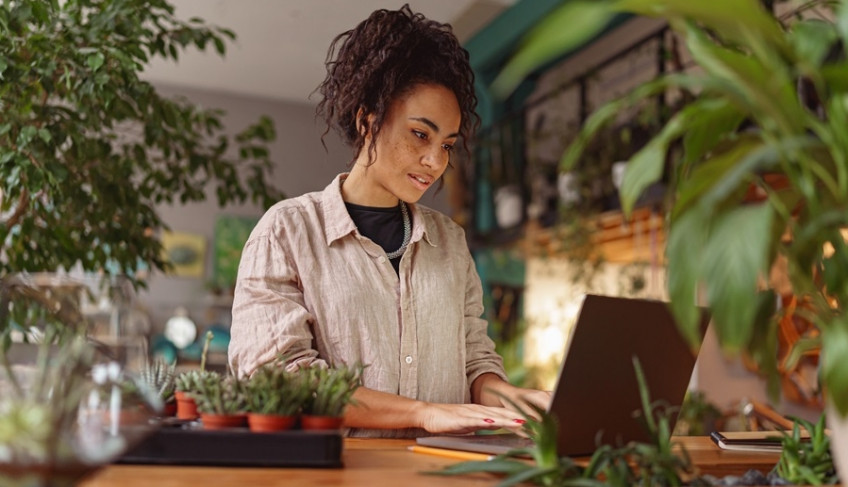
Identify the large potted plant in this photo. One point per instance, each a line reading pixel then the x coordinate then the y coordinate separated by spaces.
pixel 88 149
pixel 769 115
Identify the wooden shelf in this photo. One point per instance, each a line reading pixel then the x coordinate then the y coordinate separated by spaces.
pixel 615 239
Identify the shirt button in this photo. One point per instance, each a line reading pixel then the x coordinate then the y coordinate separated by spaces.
pixel 408 359
pixel 381 259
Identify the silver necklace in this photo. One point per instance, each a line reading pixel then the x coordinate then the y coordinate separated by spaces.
pixel 407 233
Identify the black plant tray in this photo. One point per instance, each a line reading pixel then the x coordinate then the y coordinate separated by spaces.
pixel 238 447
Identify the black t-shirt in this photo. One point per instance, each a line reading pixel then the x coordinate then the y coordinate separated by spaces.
pixel 384 226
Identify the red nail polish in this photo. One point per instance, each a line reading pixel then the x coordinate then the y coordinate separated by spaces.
pixel 519 421
pixel 489 420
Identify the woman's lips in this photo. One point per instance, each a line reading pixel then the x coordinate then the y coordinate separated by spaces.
pixel 421 182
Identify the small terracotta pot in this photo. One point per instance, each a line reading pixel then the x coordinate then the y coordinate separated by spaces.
pixel 186 407
pixel 310 422
pixel 269 422
pixel 170 408
pixel 222 421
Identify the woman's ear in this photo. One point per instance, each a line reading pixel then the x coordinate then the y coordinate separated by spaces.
pixel 363 123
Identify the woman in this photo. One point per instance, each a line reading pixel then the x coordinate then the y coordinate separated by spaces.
pixel 359 272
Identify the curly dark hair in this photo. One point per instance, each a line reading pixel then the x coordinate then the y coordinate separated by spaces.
pixel 384 58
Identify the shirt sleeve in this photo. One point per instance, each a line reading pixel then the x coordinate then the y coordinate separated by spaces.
pixel 481 357
pixel 270 320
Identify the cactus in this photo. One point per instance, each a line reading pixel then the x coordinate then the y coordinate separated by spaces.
pixel 217 394
pixel 332 389
pixel 189 381
pixel 272 390
pixel 159 376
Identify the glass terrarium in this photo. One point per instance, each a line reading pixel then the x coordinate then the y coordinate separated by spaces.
pixel 66 405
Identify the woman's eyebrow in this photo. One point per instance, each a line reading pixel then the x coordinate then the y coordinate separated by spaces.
pixel 426 121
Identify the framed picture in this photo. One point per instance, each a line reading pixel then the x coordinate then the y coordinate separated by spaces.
pixel 231 233
pixel 186 252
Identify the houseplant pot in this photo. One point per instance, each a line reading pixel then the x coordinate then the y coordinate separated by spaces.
pixel 188 385
pixel 186 406
pixel 314 422
pixel 274 397
pixel 768 100
pixel 264 423
pixel 212 421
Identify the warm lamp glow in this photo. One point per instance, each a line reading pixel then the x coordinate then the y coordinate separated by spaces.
pixel 552 303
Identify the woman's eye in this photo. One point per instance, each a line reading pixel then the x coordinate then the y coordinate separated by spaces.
pixel 447 147
pixel 420 135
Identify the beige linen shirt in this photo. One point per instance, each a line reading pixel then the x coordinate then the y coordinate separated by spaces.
pixel 311 287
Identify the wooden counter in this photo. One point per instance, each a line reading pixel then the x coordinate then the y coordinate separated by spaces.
pixel 374 462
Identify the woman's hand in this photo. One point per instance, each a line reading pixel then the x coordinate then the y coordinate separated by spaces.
pixel 467 418
pixel 491 390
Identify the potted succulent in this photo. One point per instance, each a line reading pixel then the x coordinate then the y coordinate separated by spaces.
pixel 274 398
pixel 188 383
pixel 331 390
pixel 220 401
pixel 159 376
pixel 768 117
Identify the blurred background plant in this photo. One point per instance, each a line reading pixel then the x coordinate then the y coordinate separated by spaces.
pixel 760 180
pixel 62 398
pixel 88 148
pixel 159 376
pixel 806 458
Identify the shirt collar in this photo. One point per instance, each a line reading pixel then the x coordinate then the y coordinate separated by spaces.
pixel 338 223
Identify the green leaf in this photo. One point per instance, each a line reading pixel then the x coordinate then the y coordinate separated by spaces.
pixel 684 251
pixel 44 134
pixel 95 60
pixel 767 91
pixel 220 48
pixel 717 117
pixel 798 350
pixel 40 12
pixel 835 268
pixel 560 32
pixel 26 135
pixel 714 172
pixel 646 166
pixel 744 22
pixel 812 40
pixel 842 22
pixel 735 257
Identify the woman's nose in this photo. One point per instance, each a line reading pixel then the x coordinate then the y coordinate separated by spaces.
pixel 435 158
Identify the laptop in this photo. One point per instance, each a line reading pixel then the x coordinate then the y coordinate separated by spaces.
pixel 596 392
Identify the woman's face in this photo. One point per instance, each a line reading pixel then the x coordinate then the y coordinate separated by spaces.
pixel 414 145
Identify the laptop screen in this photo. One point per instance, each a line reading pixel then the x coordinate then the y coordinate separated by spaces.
pixel 597 393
